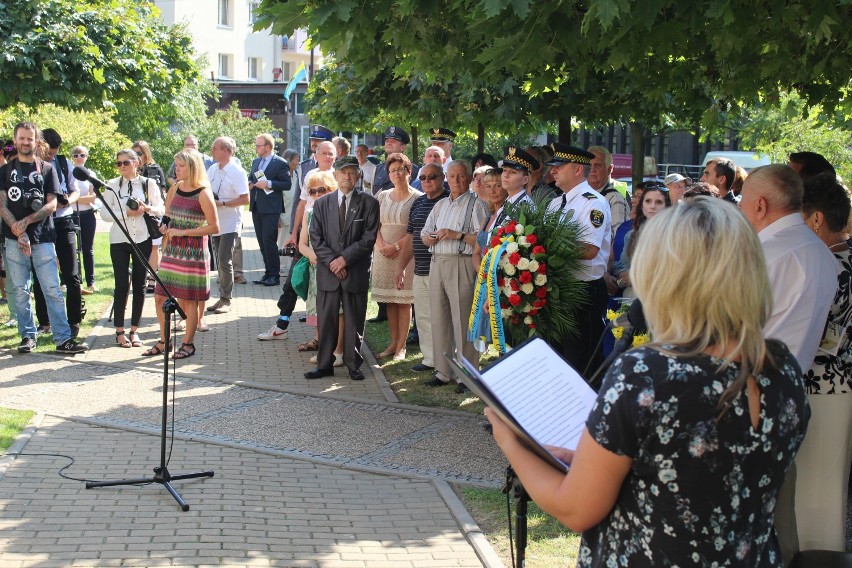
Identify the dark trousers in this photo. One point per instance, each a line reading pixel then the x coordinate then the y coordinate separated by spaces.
pixel 287 299
pixel 121 255
pixel 88 224
pixel 266 230
pixel 69 274
pixel 579 350
pixel 354 315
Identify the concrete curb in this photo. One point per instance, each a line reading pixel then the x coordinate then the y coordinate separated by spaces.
pixel 469 528
pixel 20 442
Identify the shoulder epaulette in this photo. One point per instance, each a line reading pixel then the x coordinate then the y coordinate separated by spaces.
pixel 590 195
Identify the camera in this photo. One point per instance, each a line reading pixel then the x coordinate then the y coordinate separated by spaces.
pixel 62 199
pixel 289 250
pixel 133 203
pixel 31 199
pixel 165 220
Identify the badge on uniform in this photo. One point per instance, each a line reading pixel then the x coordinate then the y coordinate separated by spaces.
pixel 597 218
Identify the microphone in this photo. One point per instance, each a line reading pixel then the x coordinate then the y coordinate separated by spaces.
pixel 633 318
pixel 83 174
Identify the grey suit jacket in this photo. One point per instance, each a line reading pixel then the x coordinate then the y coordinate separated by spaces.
pixel 355 243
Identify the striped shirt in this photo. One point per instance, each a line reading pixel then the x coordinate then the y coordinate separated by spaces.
pixel 452 214
pixel 420 210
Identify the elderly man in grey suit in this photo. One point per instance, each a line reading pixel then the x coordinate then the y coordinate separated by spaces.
pixel 343 232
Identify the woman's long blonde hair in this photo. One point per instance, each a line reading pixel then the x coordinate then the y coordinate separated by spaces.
pixel 197 174
pixel 683 270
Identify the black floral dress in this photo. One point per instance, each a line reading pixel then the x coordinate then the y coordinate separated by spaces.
pixel 832 374
pixel 700 492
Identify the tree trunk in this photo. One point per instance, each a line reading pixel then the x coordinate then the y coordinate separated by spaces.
pixel 637 145
pixel 564 130
pixel 480 138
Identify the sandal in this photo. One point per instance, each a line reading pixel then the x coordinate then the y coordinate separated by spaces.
pixel 183 353
pixel 156 349
pixel 311 345
pixel 122 342
pixel 135 340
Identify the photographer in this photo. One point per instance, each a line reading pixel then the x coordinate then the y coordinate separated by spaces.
pixel 28 191
pixel 129 196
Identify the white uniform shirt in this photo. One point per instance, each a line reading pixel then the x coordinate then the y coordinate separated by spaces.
pixel 591 210
pixel 368 171
pixel 803 276
pixel 228 183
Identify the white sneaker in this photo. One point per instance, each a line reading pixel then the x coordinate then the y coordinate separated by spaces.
pixel 274 332
pixel 338 360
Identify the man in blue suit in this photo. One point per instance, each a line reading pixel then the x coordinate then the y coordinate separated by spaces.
pixel 268 180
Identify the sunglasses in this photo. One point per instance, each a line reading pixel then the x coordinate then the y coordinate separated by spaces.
pixel 79 155
pixel 8 149
pixel 119 163
pixel 430 177
pixel 140 154
pixel 317 190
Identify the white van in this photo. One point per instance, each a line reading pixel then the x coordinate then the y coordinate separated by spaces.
pixel 747 160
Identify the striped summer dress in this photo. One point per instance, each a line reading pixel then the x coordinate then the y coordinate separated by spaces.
pixel 185 262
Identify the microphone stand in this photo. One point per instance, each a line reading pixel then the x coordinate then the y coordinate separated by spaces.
pixel 513 485
pixel 170 306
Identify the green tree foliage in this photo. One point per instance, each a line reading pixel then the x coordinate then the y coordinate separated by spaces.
pixel 790 126
pixel 228 122
pixel 89 53
pixel 96 130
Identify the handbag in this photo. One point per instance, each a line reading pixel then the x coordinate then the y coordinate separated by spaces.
pixel 299 277
pixel 153 224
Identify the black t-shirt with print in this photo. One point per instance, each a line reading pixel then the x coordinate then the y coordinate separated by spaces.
pixel 18 179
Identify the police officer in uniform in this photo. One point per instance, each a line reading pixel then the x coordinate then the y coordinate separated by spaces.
pixel 443 138
pixel 579 202
pixel 395 140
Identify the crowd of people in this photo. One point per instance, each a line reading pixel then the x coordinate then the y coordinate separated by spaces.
pixel 745 279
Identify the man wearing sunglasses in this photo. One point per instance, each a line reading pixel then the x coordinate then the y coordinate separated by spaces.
pixel 431 155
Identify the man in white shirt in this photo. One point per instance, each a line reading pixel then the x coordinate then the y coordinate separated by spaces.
pixel 368 168
pixel 570 167
pixel 803 276
pixel 230 191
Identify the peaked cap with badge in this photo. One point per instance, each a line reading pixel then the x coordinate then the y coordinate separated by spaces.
pixel 396 133
pixel 519 159
pixel 441 135
pixel 320 132
pixel 565 154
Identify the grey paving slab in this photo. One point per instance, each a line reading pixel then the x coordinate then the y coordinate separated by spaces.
pixel 260 511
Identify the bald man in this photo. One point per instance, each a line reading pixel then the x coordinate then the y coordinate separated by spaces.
pixel 803 276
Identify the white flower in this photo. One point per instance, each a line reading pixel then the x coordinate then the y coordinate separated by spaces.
pixel 540 280
pixel 528 320
pixel 519 229
pixel 504 260
pixel 509 270
pixel 512 247
pixel 527 288
pixel 526 309
pixel 505 312
pixel 523 264
pixel 522 241
pixel 533 266
pixel 507 290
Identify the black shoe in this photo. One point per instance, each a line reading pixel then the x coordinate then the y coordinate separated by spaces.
pixel 435 382
pixel 461 388
pixel 356 375
pixel 271 281
pixel 71 347
pixel 259 281
pixel 413 338
pixel 27 345
pixel 319 373
pixel 303 319
pixel 420 367
pixel 378 319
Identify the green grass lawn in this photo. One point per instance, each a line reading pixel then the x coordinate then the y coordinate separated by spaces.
pixel 549 542
pixel 95 303
pixel 11 424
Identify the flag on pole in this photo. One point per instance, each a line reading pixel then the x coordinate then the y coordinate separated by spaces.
pixel 300 75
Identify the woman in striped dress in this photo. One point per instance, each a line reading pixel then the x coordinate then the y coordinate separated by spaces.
pixel 184 264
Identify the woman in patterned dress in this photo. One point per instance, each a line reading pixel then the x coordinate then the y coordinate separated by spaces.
pixel 822 465
pixel 394 207
pixel 691 436
pixel 184 264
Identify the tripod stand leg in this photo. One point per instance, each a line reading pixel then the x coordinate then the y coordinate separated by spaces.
pixel 140 481
pixel 183 505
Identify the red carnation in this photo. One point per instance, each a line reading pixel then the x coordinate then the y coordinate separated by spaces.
pixel 542 268
pixel 532 326
pixel 516 319
pixel 514 258
pixel 515 300
pixel 525 277
pixel 500 281
pixel 541 293
pixel 532 239
pixel 510 227
pixel 533 312
pixel 536 249
pixel 513 284
pixel 495 242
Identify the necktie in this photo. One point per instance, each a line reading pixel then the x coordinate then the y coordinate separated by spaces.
pixel 342 212
pixel 564 201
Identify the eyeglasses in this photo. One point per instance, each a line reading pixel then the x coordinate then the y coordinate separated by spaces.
pixel 79 155
pixel 398 171
pixel 119 163
pixel 317 190
pixel 138 153
pixel 261 145
pixel 430 177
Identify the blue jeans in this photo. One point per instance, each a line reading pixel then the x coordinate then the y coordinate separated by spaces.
pixel 19 272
